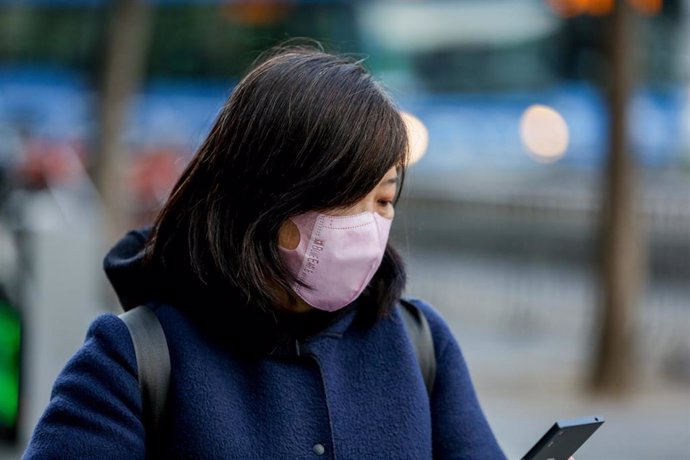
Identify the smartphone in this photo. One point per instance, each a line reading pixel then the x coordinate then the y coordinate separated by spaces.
pixel 564 438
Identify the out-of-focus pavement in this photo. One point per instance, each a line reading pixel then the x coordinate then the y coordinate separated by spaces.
pixel 527 348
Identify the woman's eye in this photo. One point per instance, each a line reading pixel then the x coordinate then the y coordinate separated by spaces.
pixel 385 202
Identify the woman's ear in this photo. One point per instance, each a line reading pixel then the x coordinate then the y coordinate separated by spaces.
pixel 288 235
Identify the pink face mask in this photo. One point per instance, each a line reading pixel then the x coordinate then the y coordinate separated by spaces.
pixel 336 257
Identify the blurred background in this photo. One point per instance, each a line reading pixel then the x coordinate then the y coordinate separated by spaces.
pixel 547 215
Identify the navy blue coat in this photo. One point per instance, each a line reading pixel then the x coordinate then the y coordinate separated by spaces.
pixel 348 391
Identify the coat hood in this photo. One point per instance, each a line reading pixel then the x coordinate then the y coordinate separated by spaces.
pixel 133 283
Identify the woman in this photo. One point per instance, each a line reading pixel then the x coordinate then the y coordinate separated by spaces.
pixel 270 272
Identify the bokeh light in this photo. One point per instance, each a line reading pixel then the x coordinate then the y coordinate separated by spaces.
pixel 544 133
pixel 570 8
pixel 647 7
pixel 418 136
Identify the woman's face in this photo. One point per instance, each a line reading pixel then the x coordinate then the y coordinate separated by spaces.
pixel 379 200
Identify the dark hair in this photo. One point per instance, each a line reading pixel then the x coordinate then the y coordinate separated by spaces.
pixel 303 130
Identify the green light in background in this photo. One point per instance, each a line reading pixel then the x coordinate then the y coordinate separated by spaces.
pixel 10 339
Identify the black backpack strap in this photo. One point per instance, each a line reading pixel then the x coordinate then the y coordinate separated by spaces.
pixel 420 334
pixel 153 363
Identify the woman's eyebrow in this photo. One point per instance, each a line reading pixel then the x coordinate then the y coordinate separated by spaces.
pixel 392 180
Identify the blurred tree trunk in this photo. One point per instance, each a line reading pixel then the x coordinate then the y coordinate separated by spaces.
pixel 124 65
pixel 623 247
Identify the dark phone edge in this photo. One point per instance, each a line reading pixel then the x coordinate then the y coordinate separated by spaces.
pixel 542 442
pixel 559 425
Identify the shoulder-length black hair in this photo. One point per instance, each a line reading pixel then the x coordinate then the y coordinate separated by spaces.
pixel 303 130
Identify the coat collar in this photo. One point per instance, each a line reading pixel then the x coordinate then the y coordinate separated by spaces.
pixel 253 333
